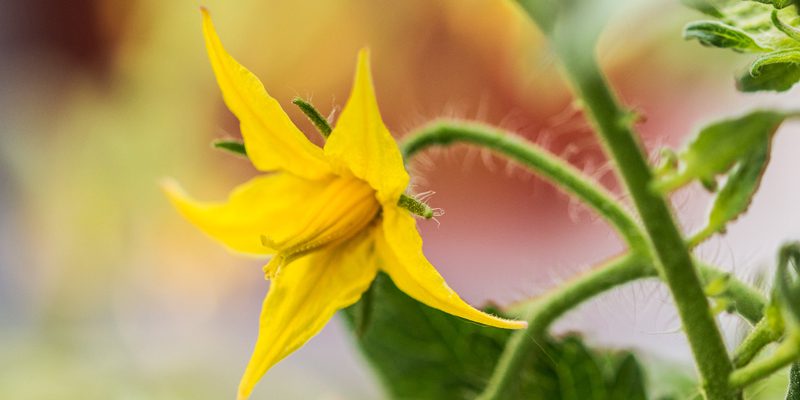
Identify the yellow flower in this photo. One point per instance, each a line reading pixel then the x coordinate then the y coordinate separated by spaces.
pixel 328 216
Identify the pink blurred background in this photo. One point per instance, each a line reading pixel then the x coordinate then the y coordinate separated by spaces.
pixel 105 292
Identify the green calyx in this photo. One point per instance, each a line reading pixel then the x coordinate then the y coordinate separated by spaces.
pixel 417 207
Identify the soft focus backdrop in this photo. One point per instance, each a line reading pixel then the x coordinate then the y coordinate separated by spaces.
pixel 106 293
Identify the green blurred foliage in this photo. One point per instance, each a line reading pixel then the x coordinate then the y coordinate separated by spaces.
pixel 766 27
pixel 422 353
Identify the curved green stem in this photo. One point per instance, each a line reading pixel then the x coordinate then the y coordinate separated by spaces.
pixel 563 175
pixel 542 312
pixel 763 334
pixel 749 302
pixel 786 353
pixel 548 308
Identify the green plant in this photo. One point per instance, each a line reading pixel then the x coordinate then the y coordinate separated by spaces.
pixel 445 357
pixel 728 157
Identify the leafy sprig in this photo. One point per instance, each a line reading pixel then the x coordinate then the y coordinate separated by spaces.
pixel 768 28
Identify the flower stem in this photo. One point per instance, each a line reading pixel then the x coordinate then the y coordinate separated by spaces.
pixel 563 175
pixel 786 353
pixel 749 303
pixel 613 124
pixel 551 306
pixel 763 334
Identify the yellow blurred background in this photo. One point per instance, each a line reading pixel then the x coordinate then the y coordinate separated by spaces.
pixel 106 293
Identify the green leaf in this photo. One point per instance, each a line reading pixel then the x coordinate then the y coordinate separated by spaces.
pixel 777 71
pixel 773 77
pixel 794 383
pixel 787 29
pixel 704 6
pixel 765 26
pixel 629 380
pixel 721 145
pixel 719 34
pixel 424 354
pixel 777 3
pixel 230 145
pixel 736 194
pixel 787 279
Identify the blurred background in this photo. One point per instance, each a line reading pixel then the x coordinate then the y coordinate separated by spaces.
pixel 106 293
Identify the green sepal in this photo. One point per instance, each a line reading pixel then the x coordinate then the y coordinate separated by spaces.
pixel 230 145
pixel 313 115
pixel 415 206
pixel 722 35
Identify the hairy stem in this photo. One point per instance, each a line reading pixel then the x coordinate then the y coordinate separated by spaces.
pixel 786 353
pixel 763 334
pixel 614 125
pixel 563 175
pixel 749 302
pixel 547 309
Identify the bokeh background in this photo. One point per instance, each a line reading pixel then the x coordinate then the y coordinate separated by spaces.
pixel 106 293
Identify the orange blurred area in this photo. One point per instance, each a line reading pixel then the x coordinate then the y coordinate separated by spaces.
pixel 105 292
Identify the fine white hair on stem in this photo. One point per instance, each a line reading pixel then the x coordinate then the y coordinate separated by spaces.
pixel 470 157
pixel 487 157
pixel 545 138
pixel 424 196
pixel 569 112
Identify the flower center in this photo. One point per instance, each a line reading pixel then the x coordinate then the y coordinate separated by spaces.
pixel 344 208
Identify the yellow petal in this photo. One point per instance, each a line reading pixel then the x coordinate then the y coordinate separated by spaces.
pixel 303 297
pixel 400 247
pixel 266 204
pixel 362 145
pixel 273 142
pixel 341 208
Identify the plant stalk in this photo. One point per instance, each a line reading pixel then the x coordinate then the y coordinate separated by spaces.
pixel 750 304
pixel 564 298
pixel 786 353
pixel 763 334
pixel 613 124
pixel 563 175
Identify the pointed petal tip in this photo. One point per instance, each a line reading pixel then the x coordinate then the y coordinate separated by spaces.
pixel 171 187
pixel 512 324
pixel 206 15
pixel 363 54
pixel 209 33
pixel 363 68
pixel 495 321
pixel 246 386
